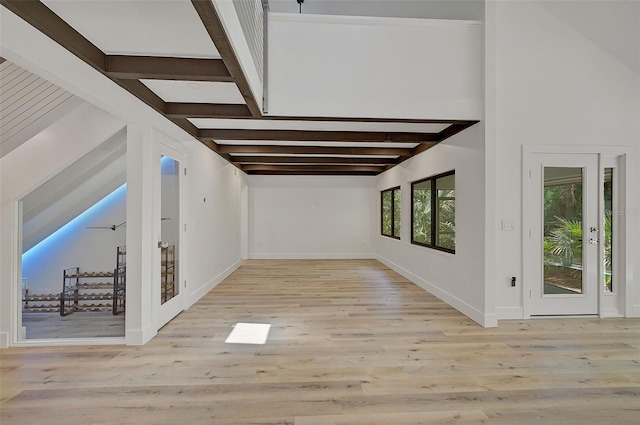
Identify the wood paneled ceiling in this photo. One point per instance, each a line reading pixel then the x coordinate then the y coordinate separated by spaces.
pixel 210 98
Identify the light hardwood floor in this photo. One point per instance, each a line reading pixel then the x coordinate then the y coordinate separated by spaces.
pixel 351 342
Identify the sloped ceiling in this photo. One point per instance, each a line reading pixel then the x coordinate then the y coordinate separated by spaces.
pixel 28 105
pixel 31 107
pixel 74 190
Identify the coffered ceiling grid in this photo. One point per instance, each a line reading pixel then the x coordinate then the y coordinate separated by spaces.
pixel 196 81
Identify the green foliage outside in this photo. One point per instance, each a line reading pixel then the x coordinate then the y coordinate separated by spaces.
pixel 422 215
pixel 397 216
pixel 422 218
pixel 386 212
pixel 563 229
pixel 563 224
pixel 446 219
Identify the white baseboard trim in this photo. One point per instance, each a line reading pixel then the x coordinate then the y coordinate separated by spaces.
pixel 509 313
pixel 485 320
pixel 204 289
pixel 612 312
pixel 312 256
pixel 4 340
pixel 140 336
pixel 635 311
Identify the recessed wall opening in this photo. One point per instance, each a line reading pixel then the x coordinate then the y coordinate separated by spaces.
pixel 73 253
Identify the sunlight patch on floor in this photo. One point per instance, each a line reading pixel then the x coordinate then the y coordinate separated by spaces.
pixel 249 333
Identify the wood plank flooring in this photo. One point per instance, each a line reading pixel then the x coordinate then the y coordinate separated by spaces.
pixel 75 325
pixel 351 342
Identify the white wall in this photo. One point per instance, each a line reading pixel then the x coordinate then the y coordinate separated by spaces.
pixel 566 74
pixel 340 66
pixel 456 278
pixel 212 218
pixel 311 217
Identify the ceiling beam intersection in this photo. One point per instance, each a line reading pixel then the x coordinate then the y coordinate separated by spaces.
pixel 211 21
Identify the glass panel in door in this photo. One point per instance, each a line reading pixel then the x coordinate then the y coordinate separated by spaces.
pixel 608 233
pixel 562 230
pixel 170 230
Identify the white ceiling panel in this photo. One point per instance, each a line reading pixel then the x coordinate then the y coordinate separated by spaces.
pixel 317 125
pixel 195 92
pixel 140 27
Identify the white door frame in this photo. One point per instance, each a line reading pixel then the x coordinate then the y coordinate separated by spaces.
pixel 167 311
pixel 610 157
pixel 585 302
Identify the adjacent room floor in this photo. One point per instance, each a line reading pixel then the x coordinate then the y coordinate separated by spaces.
pixel 350 342
pixel 76 325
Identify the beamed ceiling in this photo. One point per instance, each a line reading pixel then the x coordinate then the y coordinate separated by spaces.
pixel 196 82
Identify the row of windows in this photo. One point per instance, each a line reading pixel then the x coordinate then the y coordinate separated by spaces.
pixel 433 212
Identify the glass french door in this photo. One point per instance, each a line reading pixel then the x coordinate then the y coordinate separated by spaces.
pixel 562 262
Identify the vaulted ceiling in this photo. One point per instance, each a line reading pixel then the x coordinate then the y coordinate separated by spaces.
pixel 196 81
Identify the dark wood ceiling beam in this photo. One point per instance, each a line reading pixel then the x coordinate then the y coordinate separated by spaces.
pixel 213 25
pixel 316 136
pixel 309 160
pixel 305 168
pixel 2 60
pixel 445 134
pixel 204 110
pixel 143 93
pixel 313 150
pixel 44 20
pixel 207 110
pixel 312 173
pixel 166 68
pixel 146 95
pixel 455 129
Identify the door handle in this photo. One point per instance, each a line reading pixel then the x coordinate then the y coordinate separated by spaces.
pixel 593 241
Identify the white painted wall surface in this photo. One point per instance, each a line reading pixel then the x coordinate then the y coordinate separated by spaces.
pixel 213 217
pixel 311 217
pixel 566 74
pixel 341 66
pixel 456 278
